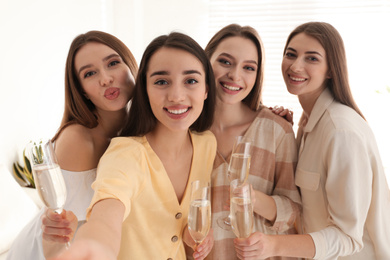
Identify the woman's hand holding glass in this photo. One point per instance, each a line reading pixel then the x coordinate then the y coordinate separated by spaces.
pixel 199 219
pixel 257 246
pixel 241 208
pixel 58 228
pixel 50 183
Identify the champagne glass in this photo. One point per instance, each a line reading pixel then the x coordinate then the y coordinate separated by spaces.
pixel 199 217
pixel 240 159
pixel 241 209
pixel 238 169
pixel 48 177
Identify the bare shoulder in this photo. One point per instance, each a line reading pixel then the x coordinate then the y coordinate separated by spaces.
pixel 75 149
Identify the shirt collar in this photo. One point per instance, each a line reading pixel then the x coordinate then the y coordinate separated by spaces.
pixel 323 102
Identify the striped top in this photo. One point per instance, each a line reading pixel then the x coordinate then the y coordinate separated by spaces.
pixel 273 163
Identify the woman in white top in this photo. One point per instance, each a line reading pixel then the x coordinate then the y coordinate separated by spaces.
pixel 99 82
pixel 345 196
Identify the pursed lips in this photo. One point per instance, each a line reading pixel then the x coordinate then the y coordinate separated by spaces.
pixel 111 93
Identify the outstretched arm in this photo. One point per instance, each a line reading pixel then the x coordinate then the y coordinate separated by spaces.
pixel 100 237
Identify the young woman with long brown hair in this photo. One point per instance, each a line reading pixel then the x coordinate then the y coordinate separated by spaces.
pixel 345 196
pixel 99 81
pixel 237 56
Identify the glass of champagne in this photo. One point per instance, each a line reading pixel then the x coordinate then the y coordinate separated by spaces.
pixel 240 159
pixel 199 216
pixel 238 169
pixel 48 177
pixel 241 208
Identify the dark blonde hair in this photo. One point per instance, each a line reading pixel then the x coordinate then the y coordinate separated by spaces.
pixel 141 119
pixel 254 98
pixel 78 109
pixel 333 44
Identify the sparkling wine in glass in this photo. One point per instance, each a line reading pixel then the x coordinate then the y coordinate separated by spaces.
pixel 199 216
pixel 48 177
pixel 241 209
pixel 239 166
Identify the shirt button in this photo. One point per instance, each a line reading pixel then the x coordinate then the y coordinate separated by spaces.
pixel 178 215
pixel 174 239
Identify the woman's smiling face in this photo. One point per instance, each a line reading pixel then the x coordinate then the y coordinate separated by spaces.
pixel 176 87
pixel 235 65
pixel 304 66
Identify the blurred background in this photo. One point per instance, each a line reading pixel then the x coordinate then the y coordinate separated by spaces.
pixel 36 35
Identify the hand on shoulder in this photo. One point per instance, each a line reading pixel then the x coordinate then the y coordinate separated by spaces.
pixel 286 113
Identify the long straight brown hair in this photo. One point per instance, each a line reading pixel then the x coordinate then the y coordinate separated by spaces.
pixel 333 44
pixel 254 98
pixel 78 109
pixel 141 119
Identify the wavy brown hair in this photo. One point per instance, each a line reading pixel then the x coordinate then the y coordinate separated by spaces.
pixel 78 109
pixel 254 98
pixel 141 119
pixel 333 44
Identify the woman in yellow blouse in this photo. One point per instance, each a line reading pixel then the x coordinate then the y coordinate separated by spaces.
pixel 141 201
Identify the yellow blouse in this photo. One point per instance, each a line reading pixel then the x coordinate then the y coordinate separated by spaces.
pixel 153 223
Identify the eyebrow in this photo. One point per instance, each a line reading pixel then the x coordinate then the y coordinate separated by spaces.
pixel 104 59
pixel 308 52
pixel 231 57
pixel 164 72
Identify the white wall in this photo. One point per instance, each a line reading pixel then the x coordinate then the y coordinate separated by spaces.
pixel 35 38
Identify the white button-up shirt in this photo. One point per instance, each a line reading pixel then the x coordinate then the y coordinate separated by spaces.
pixel 345 196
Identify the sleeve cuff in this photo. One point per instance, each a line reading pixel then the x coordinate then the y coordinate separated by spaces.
pixel 283 215
pixel 319 244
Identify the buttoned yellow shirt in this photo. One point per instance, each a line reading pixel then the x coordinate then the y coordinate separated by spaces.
pixel 154 220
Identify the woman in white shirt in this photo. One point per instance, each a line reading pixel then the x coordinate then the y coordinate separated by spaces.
pixel 345 196
pixel 99 81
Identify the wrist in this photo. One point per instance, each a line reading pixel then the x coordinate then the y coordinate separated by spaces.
pixel 274 245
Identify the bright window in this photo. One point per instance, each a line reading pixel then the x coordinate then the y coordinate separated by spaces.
pixel 364 26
